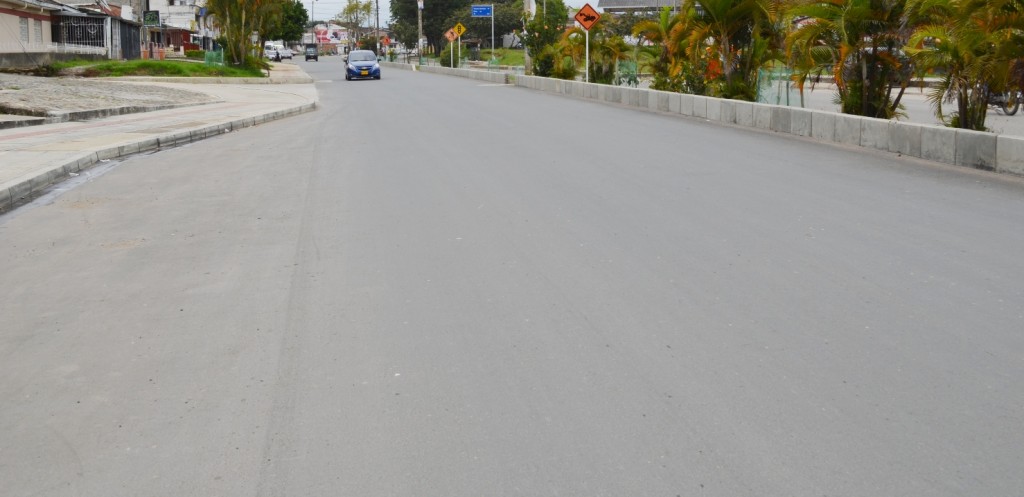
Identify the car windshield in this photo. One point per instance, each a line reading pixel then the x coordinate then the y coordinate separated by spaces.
pixel 362 56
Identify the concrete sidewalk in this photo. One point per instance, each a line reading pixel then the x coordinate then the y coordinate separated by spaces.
pixel 35 157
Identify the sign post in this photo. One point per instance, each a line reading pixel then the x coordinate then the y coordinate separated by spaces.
pixel 587 17
pixel 459 29
pixel 450 34
pixel 486 11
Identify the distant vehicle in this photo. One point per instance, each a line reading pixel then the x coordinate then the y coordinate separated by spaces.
pixel 362 64
pixel 285 53
pixel 311 53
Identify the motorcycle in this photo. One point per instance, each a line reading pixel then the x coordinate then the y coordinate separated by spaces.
pixel 1008 101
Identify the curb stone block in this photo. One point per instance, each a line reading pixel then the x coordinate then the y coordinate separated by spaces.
pixel 700 106
pixel 823 126
pixel 675 103
pixel 744 113
pixel 714 109
pixel 848 129
pixel 614 95
pixel 85 162
pixel 131 148
pixel 762 116
pixel 629 96
pixel 643 98
pixel 976 149
pixel 1010 154
pixel 108 153
pixel 801 121
pixel 782 119
pixel 20 191
pixel 905 138
pixel 6 202
pixel 727 113
pixel 686 104
pixel 148 144
pixel 662 100
pixel 874 133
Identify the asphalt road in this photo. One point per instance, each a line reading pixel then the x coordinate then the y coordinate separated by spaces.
pixel 437 287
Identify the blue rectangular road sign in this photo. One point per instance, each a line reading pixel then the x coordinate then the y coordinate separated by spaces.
pixel 483 10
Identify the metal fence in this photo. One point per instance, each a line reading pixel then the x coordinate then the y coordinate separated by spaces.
pixel 88 31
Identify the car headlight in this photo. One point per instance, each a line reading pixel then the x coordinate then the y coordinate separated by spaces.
pixel 350 66
pixel 376 66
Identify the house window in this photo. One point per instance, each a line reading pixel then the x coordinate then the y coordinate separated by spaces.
pixel 24 29
pixel 39 31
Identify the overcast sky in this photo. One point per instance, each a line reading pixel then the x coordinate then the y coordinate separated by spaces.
pixel 327 9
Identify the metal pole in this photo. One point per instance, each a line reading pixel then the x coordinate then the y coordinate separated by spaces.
pixel 376 29
pixel 460 50
pixel 451 56
pixel 419 37
pixel 586 69
pixel 492 32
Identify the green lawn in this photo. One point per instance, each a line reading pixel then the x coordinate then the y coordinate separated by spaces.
pixel 93 69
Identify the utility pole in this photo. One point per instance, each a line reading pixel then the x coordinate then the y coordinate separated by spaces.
pixel 419 36
pixel 376 29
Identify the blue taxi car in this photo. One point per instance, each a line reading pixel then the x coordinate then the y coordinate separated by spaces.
pixel 362 64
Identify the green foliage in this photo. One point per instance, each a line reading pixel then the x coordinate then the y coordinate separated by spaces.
pixel 355 13
pixel 404 32
pixel 195 54
pixel 367 43
pixel 166 68
pixel 440 15
pixel 543 31
pixel 508 17
pixel 238 19
pixel 976 44
pixel 291 24
pixel 860 41
pixel 544 62
pixel 446 59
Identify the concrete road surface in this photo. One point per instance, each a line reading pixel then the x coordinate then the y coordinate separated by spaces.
pixel 436 287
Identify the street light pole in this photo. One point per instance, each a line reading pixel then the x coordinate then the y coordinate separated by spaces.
pixel 376 29
pixel 419 36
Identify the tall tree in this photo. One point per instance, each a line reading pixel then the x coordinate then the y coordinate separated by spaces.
pixel 292 22
pixel 861 41
pixel 435 16
pixel 976 44
pixel 543 30
pixel 238 19
pixel 661 52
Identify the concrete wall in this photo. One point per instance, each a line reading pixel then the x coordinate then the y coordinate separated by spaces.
pixel 966 148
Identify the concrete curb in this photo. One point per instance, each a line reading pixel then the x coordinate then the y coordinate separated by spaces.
pixel 273 80
pixel 972 149
pixel 22 191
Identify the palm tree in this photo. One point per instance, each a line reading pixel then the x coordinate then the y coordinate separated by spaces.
pixel 663 53
pixel 723 30
pixel 975 43
pixel 860 40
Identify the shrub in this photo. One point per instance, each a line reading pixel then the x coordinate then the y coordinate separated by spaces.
pixel 446 56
